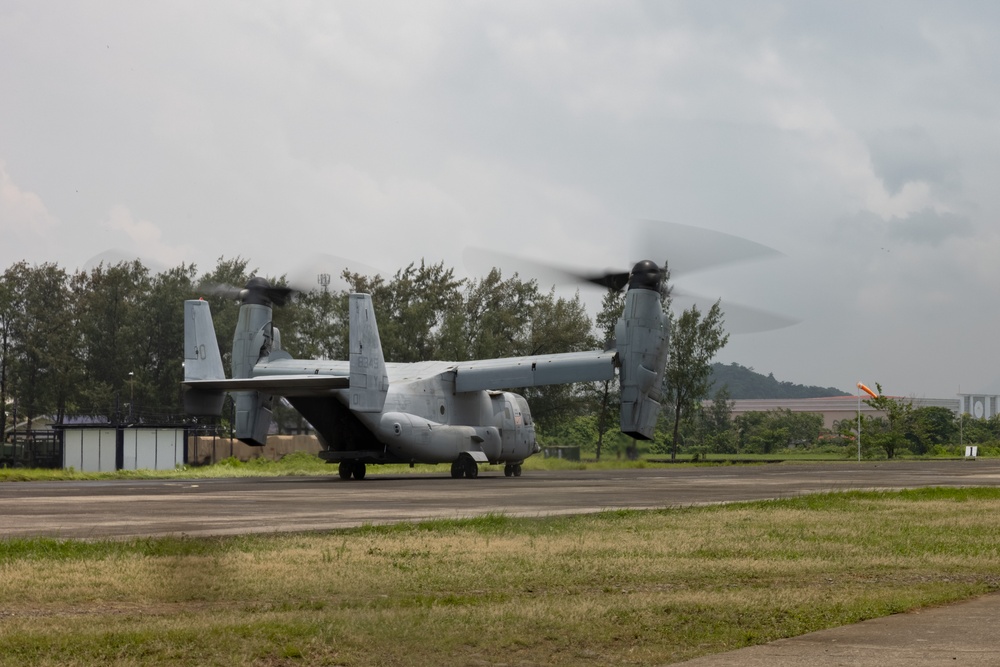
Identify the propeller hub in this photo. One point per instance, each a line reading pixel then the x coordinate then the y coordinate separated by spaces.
pixel 645 275
pixel 256 292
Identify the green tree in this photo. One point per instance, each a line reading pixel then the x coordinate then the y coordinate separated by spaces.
pixel 159 336
pixel 694 342
pixel 558 325
pixel 715 430
pixel 935 425
pixel 8 312
pixel 411 309
pixel 322 327
pixel 110 301
pixel 778 429
pixel 43 340
pixel 888 433
pixel 493 320
pixel 606 395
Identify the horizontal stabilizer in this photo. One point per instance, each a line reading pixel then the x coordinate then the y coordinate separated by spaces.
pixel 281 385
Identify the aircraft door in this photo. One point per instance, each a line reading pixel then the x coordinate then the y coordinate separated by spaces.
pixel 516 434
pixel 503 419
pixel 515 428
pixel 513 424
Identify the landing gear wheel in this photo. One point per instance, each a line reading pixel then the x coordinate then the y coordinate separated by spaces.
pixel 359 471
pixel 517 470
pixel 471 469
pixel 457 469
pixel 508 470
pixel 344 470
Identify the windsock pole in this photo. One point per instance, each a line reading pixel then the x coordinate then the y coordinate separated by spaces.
pixel 859 421
pixel 862 387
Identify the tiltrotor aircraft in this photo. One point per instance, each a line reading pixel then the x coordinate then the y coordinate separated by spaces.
pixel 366 411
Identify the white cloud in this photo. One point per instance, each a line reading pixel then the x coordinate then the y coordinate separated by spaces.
pixel 23 214
pixel 143 238
pixel 863 144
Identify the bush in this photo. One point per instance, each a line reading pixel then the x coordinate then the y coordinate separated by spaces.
pixel 231 462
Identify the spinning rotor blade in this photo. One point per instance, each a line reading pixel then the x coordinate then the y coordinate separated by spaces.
pixel 689 249
pixel 322 272
pixel 737 318
pixel 685 249
pixel 220 289
pixel 277 295
pixel 481 260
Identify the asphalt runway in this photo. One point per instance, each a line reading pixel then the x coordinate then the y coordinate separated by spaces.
pixel 275 504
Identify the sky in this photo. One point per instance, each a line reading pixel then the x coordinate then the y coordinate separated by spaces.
pixel 859 139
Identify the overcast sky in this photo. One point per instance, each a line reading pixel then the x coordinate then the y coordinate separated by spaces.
pixel 860 139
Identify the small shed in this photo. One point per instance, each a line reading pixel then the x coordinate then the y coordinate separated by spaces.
pixel 106 448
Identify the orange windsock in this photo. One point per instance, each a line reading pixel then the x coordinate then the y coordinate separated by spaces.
pixel 868 391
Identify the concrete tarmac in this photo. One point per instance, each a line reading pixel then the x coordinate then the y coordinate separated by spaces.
pixel 962 634
pixel 131 508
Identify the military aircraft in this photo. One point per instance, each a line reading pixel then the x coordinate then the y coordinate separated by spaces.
pixel 367 411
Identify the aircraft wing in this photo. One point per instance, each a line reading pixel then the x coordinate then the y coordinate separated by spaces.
pixel 534 371
pixel 282 385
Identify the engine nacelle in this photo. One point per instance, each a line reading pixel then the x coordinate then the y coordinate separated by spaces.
pixel 254 339
pixel 643 335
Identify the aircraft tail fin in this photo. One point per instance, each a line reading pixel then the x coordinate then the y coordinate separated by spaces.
pixel 369 382
pixel 643 347
pixel 202 360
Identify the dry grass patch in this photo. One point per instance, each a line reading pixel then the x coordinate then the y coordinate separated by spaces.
pixel 616 588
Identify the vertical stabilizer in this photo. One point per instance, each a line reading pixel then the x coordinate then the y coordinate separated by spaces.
pixel 202 360
pixel 369 381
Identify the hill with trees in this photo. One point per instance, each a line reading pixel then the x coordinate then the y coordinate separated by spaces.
pixel 745 383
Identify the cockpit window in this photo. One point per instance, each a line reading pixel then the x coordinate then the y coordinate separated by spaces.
pixel 525 412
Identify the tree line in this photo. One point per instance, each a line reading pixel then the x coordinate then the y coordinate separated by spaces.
pixel 898 429
pixel 108 341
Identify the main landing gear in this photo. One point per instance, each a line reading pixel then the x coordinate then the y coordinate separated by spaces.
pixel 464 466
pixel 348 469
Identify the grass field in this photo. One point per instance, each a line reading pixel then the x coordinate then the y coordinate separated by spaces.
pixel 303 463
pixel 622 588
pixel 299 463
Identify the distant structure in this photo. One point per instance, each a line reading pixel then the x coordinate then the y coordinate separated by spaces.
pixel 837 408
pixel 979 406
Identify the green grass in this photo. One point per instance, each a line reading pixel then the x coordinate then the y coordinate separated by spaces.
pixel 304 463
pixel 296 464
pixel 618 588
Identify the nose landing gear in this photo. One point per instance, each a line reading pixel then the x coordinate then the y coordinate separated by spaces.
pixel 348 469
pixel 512 470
